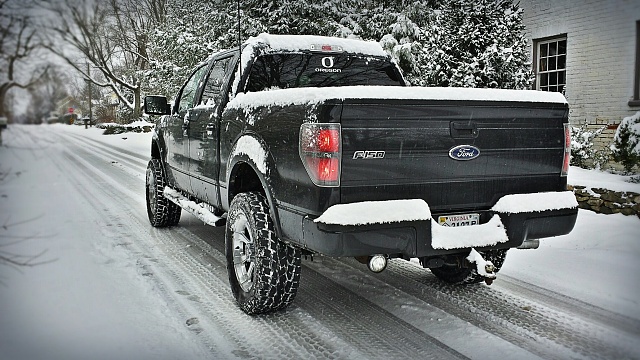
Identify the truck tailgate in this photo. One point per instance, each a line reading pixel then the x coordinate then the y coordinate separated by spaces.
pixel 521 150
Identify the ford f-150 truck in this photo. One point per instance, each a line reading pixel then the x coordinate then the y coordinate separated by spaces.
pixel 305 145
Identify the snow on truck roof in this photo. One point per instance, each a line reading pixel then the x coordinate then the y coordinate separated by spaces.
pixel 319 43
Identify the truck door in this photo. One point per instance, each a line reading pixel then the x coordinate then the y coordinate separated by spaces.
pixel 204 134
pixel 178 125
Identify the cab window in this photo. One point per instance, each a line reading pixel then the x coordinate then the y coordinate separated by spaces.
pixel 213 89
pixel 282 71
pixel 190 88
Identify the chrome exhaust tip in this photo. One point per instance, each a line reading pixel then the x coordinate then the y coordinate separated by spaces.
pixel 530 244
pixel 377 263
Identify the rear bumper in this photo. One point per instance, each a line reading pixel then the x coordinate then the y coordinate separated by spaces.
pixel 506 225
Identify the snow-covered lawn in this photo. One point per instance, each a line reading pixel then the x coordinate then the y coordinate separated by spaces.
pixel 597 261
pixel 93 294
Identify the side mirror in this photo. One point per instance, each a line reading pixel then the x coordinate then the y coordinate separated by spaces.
pixel 156 105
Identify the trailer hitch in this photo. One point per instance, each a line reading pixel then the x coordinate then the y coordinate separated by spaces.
pixel 485 268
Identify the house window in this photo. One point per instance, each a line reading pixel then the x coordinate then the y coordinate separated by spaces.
pixel 551 64
pixel 636 83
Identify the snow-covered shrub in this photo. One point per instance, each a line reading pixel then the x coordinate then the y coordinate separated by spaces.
pixel 402 43
pixel 583 152
pixel 626 143
pixel 124 115
pixel 136 126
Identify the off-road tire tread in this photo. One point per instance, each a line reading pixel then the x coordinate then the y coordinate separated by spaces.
pixel 167 213
pixel 277 268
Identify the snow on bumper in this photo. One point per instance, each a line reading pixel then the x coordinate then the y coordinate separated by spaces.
pixel 407 226
pixel 536 202
pixel 488 234
pixel 376 212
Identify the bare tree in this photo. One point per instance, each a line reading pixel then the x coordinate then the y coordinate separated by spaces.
pixel 112 37
pixel 18 44
pixel 47 92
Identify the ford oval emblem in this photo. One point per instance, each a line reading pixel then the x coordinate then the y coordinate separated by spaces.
pixel 464 152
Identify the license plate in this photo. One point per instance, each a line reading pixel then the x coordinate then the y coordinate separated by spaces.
pixel 459 220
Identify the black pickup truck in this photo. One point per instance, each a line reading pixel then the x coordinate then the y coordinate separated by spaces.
pixel 305 145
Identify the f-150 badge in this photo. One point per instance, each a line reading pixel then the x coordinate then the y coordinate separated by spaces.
pixel 464 152
pixel 368 155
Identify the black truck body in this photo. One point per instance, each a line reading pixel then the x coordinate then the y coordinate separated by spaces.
pixel 347 161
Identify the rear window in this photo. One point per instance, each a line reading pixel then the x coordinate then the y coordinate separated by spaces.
pixel 282 71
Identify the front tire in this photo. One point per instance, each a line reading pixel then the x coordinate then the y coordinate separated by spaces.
pixel 460 275
pixel 161 211
pixel 264 272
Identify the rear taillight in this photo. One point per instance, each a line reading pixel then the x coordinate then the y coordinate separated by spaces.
pixel 321 152
pixel 567 150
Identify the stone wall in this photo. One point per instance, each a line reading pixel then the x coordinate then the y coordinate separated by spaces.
pixel 605 201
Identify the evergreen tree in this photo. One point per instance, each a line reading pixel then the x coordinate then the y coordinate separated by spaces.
pixel 469 43
pixel 186 38
pixel 474 43
pixel 294 16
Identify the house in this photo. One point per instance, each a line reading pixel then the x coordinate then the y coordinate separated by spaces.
pixel 590 50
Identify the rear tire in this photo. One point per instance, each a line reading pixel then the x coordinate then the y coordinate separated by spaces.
pixel 161 211
pixel 264 272
pixel 458 275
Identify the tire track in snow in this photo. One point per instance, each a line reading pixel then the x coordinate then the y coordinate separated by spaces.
pixel 366 324
pixel 93 142
pixel 516 318
pixel 569 305
pixel 109 153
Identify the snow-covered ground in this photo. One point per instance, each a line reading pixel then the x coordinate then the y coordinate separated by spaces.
pixel 91 300
pixel 85 301
pixel 597 261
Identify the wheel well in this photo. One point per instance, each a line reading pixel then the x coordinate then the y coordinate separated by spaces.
pixel 244 179
pixel 155 150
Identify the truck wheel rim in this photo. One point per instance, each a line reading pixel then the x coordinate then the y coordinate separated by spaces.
pixel 243 257
pixel 151 191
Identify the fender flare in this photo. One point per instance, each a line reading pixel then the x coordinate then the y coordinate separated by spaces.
pixel 251 151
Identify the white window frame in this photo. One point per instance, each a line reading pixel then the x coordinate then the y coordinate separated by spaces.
pixel 551 64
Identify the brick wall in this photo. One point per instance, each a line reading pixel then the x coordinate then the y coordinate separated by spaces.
pixel 601 47
pixel 605 139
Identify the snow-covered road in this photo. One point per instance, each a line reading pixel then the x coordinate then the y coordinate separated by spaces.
pixel 113 287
